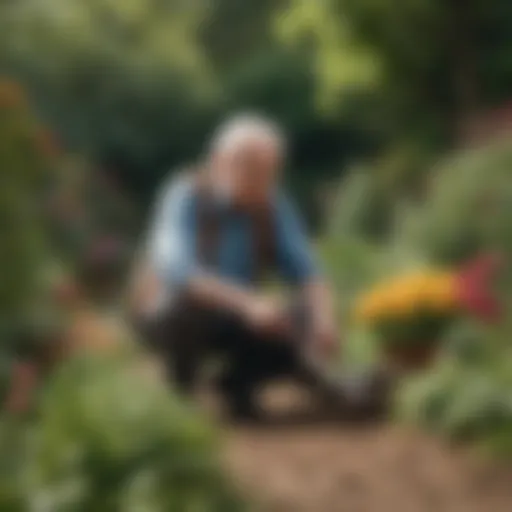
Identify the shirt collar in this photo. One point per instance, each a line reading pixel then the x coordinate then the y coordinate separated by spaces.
pixel 224 200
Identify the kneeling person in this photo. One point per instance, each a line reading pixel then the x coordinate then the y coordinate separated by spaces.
pixel 217 230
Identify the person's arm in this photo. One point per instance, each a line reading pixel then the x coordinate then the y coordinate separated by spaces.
pixel 173 250
pixel 260 312
pixel 300 268
pixel 320 302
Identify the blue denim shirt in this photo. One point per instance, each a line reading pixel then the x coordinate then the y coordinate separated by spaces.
pixel 172 245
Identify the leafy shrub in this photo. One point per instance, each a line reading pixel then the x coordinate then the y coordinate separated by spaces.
pixel 106 437
pixel 27 160
pixel 469 403
pixel 24 174
pixel 469 207
pixel 466 395
pixel 359 206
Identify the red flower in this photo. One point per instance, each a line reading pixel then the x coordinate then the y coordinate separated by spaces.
pixel 475 283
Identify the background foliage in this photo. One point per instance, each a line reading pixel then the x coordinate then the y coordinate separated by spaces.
pixel 100 99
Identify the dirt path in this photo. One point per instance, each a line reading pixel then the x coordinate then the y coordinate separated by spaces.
pixel 379 469
pixel 361 469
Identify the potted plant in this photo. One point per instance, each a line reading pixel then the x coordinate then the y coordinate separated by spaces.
pixel 409 314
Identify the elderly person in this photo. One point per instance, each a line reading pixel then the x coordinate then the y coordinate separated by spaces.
pixel 218 230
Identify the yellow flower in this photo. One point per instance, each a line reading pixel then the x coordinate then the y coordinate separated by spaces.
pixel 442 293
pixel 406 296
pixel 402 300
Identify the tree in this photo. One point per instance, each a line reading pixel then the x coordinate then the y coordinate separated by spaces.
pixel 123 81
pixel 430 63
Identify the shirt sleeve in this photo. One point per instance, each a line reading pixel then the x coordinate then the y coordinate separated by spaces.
pixel 295 256
pixel 172 235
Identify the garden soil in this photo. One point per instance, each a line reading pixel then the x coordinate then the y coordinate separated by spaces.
pixel 322 467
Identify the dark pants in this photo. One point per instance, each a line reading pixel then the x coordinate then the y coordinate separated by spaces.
pixel 189 335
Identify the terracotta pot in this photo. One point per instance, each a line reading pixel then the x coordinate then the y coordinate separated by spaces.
pixel 416 356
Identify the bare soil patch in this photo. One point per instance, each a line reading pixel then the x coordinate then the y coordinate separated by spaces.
pixel 361 468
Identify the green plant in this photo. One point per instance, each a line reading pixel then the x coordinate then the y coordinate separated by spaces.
pixel 107 437
pixel 468 208
pixel 467 395
pixel 27 158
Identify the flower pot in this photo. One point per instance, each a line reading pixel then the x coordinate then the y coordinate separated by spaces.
pixel 411 357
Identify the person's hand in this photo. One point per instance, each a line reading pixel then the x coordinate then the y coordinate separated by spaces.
pixel 325 337
pixel 267 314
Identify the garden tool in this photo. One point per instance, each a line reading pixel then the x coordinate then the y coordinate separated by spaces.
pixel 350 391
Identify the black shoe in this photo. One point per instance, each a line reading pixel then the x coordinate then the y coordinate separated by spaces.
pixel 239 399
pixel 245 417
pixel 242 408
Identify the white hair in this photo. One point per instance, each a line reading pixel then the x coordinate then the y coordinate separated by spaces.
pixel 243 128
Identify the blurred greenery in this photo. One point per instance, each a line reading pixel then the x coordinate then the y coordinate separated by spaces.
pixel 465 213
pixel 468 208
pixel 26 170
pixel 140 85
pixel 468 213
pixel 100 99
pixel 430 64
pixel 104 436
pixel 467 397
